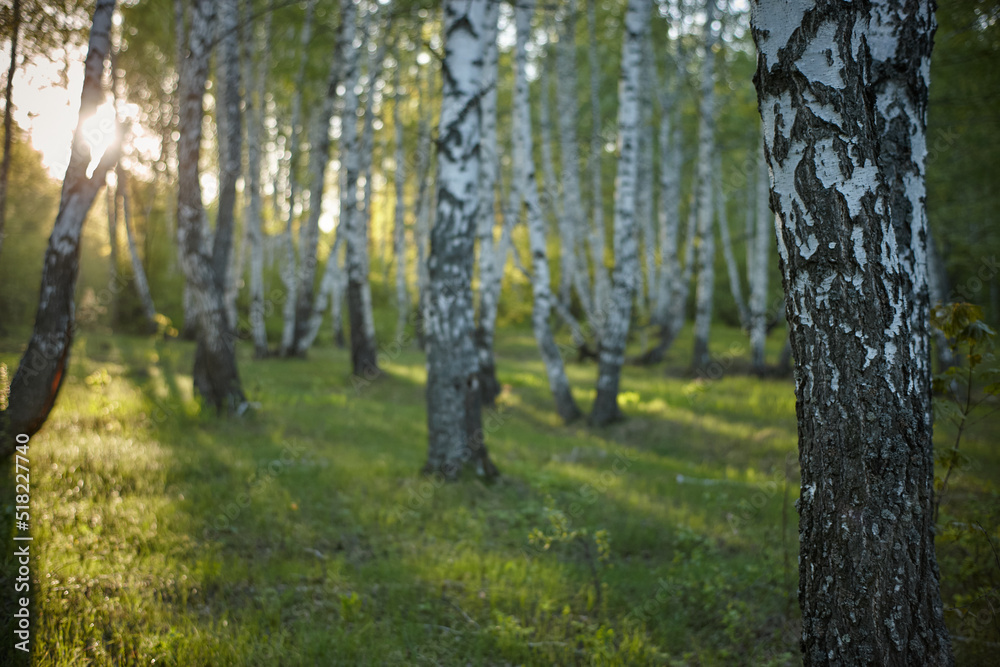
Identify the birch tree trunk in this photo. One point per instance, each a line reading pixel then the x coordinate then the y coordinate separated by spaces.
pixel 524 178
pixel 732 268
pixel 399 215
pixel 492 257
pixel 761 240
pixel 705 241
pixel 255 101
pixel 569 153
pixel 353 224
pixel 423 213
pixel 626 274
pixel 289 272
pixel 216 376
pixel 230 149
pixel 552 202
pixel 138 271
pixel 8 115
pixel 644 184
pixel 454 421
pixel 667 291
pixel 602 287
pixel 40 374
pixel 318 159
pixel 867 567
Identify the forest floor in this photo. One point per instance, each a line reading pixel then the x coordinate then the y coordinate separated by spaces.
pixel 302 534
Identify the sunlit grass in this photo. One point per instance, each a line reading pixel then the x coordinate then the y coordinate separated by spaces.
pixel 302 534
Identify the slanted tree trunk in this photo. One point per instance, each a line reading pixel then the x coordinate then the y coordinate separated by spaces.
pixel 353 224
pixel 8 114
pixel 626 275
pixel 216 376
pixel 43 365
pixel 492 257
pixel 289 272
pixel 524 178
pixel 867 567
pixel 705 241
pixel 732 268
pixel 454 423
pixel 602 287
pixel 255 101
pixel 761 243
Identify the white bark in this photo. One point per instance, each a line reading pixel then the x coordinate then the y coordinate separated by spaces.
pixel 644 186
pixel 602 287
pixel 626 273
pixel 289 272
pixel 732 268
pixel 524 179
pixel 761 243
pixel 454 425
pixel 256 85
pixel 706 239
pixel 399 216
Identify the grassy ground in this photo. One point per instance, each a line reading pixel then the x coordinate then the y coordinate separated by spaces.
pixel 303 535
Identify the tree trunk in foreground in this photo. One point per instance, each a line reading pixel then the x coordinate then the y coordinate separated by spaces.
pixel 867 568
pixel 524 178
pixel 626 275
pixel 454 418
pixel 216 377
pixel 43 365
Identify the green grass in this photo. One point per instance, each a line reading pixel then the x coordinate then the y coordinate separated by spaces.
pixel 303 535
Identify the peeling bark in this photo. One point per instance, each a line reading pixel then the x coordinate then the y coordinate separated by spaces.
pixel 868 584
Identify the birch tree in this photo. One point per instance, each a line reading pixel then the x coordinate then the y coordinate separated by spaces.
pixel 705 242
pixel 289 272
pixel 328 295
pixel 319 158
pixel 825 74
pixel 567 114
pixel 725 237
pixel 625 280
pixel 255 79
pixel 492 255
pixel 524 179
pixel 40 374
pixel 353 225
pixel 454 417
pixel 761 242
pixel 216 376
pixel 399 214
pixel 602 287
